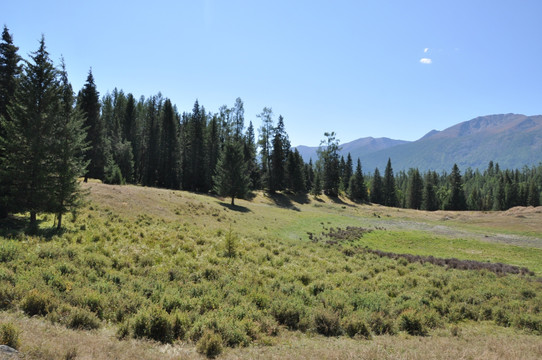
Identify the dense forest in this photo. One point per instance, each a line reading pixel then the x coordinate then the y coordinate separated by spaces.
pixel 50 136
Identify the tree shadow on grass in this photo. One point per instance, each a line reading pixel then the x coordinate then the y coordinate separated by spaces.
pixel 283 201
pixel 339 201
pixel 237 208
pixel 14 226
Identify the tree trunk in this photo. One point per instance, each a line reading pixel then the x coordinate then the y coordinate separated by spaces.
pixel 33 221
pixel 59 225
pixel 86 179
pixel 233 197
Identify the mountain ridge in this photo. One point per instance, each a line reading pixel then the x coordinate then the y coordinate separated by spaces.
pixel 512 140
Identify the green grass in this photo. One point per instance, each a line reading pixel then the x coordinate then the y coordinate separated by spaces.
pixel 163 265
pixel 421 243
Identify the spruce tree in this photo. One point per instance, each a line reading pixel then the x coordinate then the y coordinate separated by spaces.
pixel 328 156
pixel 415 190
pixel 264 141
pixel 69 147
pixel 356 188
pixel 29 158
pixel 457 195
pixel 377 194
pixel 231 177
pixel 250 157
pixel 212 152
pixel 88 101
pixel 9 74
pixel 170 167
pixel 295 172
pixel 279 155
pixel 348 172
pixel 389 191
pixel 430 201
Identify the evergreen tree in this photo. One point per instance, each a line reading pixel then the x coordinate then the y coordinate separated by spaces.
pixel 430 201
pixel 231 177
pixel 197 148
pixel 152 155
pixel 9 74
pixel 457 195
pixel 533 197
pixel 89 103
pixel 356 188
pixel 377 188
pixel 415 190
pixel 279 155
pixel 264 141
pixel 389 191
pixel 212 152
pixel 348 172
pixel 170 166
pixel 316 188
pixel 329 158
pixel 309 175
pixel 238 114
pixel 295 172
pixel 29 158
pixel 250 157
pixel 69 147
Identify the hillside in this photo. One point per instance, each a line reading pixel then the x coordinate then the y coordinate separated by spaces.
pixel 512 140
pixel 286 276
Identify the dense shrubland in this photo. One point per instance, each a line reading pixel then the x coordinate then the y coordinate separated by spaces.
pixel 172 278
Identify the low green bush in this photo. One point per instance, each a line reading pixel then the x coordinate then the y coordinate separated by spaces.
pixel 411 322
pixel 356 326
pixel 327 322
pixel 210 344
pixel 83 319
pixel 9 335
pixel 37 303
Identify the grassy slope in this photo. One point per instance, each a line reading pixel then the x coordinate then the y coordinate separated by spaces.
pixel 133 249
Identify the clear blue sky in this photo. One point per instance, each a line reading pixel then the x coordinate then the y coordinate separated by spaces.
pixel 353 67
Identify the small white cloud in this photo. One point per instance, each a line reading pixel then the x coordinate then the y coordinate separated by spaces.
pixel 426 61
pixel 425 50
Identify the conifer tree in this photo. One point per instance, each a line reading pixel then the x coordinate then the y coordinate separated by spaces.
pixel 430 201
pixel 415 190
pixel 377 194
pixel 29 158
pixel 69 147
pixel 231 177
pixel 295 171
pixel 89 102
pixel 389 191
pixel 9 74
pixel 170 168
pixel 250 157
pixel 279 155
pixel 357 189
pixel 348 172
pixel 457 195
pixel 264 141
pixel 328 156
pixel 212 152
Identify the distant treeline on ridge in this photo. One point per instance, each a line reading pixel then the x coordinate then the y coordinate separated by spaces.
pixel 49 137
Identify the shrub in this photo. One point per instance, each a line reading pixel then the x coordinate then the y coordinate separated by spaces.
pixel 501 317
pixel 180 325
pixel 8 251
pixel 529 322
pixel 7 295
pixel 380 324
pixel 210 344
pixel 288 313
pixel 355 326
pixel 327 322
pixel 411 322
pixel 230 244
pixel 160 328
pixel 140 325
pixel 83 319
pixel 9 335
pixel 37 303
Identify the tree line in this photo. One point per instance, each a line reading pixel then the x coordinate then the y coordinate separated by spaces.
pixel 49 137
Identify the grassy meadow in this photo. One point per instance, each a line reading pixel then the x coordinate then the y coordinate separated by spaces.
pixel 144 273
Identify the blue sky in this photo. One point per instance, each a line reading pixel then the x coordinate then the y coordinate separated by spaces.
pixel 353 67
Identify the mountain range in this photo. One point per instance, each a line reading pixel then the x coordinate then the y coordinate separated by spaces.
pixel 512 140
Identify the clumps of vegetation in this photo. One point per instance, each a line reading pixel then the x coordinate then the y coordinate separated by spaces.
pixel 453 263
pixel 210 344
pixel 9 335
pixel 336 235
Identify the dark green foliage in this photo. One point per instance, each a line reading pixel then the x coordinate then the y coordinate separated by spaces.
pixel 457 195
pixel 357 189
pixel 356 326
pixel 9 74
pixel 279 155
pixel 415 190
pixel 250 158
pixel 264 141
pixel 388 188
pixel 295 172
pixel 377 188
pixel 169 161
pixel 328 156
pixel 30 159
pixel 231 177
pixel 37 303
pixel 88 101
pixel 411 322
